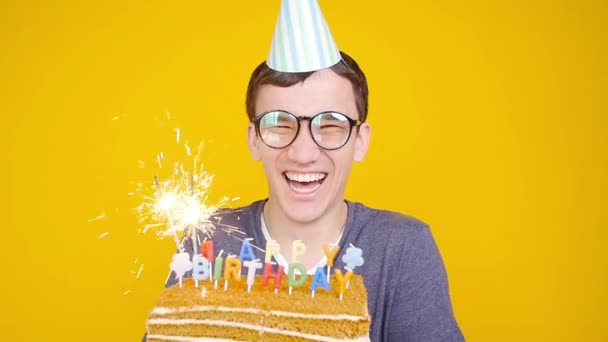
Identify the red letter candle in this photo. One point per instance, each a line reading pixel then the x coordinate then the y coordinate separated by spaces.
pixel 277 276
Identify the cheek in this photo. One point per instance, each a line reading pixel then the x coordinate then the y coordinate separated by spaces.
pixel 271 160
pixel 342 161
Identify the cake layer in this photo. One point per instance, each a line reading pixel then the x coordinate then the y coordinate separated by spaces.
pixel 194 330
pixel 326 325
pixel 190 313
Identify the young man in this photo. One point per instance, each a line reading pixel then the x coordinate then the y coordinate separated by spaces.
pixel 307 129
pixel 307 107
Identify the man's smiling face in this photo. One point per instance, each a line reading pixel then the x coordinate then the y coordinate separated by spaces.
pixel 305 181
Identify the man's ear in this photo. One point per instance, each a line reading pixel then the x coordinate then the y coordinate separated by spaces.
pixel 362 142
pixel 253 142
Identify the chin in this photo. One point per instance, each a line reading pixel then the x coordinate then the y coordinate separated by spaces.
pixel 303 212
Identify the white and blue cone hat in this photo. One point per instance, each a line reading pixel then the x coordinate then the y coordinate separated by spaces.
pixel 302 41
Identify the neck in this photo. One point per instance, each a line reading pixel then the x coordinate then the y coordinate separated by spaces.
pixel 324 230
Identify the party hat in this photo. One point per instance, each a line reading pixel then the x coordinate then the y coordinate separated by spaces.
pixel 302 41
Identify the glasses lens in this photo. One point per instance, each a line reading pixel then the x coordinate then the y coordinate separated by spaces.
pixel 330 130
pixel 278 129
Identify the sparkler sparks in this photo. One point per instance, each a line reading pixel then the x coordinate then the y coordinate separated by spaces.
pixel 98 217
pixel 141 268
pixel 177 134
pixel 178 206
pixel 175 202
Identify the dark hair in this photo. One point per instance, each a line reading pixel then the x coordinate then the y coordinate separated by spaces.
pixel 347 67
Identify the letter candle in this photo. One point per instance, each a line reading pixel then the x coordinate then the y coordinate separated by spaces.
pixel 246 251
pixel 330 253
pixel 217 273
pixel 291 275
pixel 252 267
pixel 319 280
pixel 207 252
pixel 297 248
pixel 343 280
pixel 232 270
pixel 272 248
pixel 277 276
pixel 200 269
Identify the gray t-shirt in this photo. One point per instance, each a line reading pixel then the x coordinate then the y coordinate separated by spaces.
pixel 408 296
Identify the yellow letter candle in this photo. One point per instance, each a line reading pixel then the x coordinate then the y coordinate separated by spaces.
pixel 232 270
pixel 298 248
pixel 272 248
pixel 342 281
pixel 330 254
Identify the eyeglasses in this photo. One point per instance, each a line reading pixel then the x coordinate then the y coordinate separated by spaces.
pixel 329 130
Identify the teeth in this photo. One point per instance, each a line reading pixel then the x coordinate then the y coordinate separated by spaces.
pixel 304 177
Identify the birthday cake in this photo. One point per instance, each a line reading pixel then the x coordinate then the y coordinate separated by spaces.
pixel 260 313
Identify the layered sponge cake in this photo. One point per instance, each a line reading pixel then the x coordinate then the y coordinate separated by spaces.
pixel 205 313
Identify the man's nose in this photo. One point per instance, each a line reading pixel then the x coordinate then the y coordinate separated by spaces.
pixel 303 150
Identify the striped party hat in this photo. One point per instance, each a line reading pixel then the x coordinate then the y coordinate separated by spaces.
pixel 302 41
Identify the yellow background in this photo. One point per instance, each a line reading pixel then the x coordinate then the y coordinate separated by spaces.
pixel 489 122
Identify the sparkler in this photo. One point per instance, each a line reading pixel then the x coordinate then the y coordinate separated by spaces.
pixel 178 206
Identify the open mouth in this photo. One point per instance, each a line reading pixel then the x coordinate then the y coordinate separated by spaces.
pixel 304 182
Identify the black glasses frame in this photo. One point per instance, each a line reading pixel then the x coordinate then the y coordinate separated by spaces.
pixel 351 122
